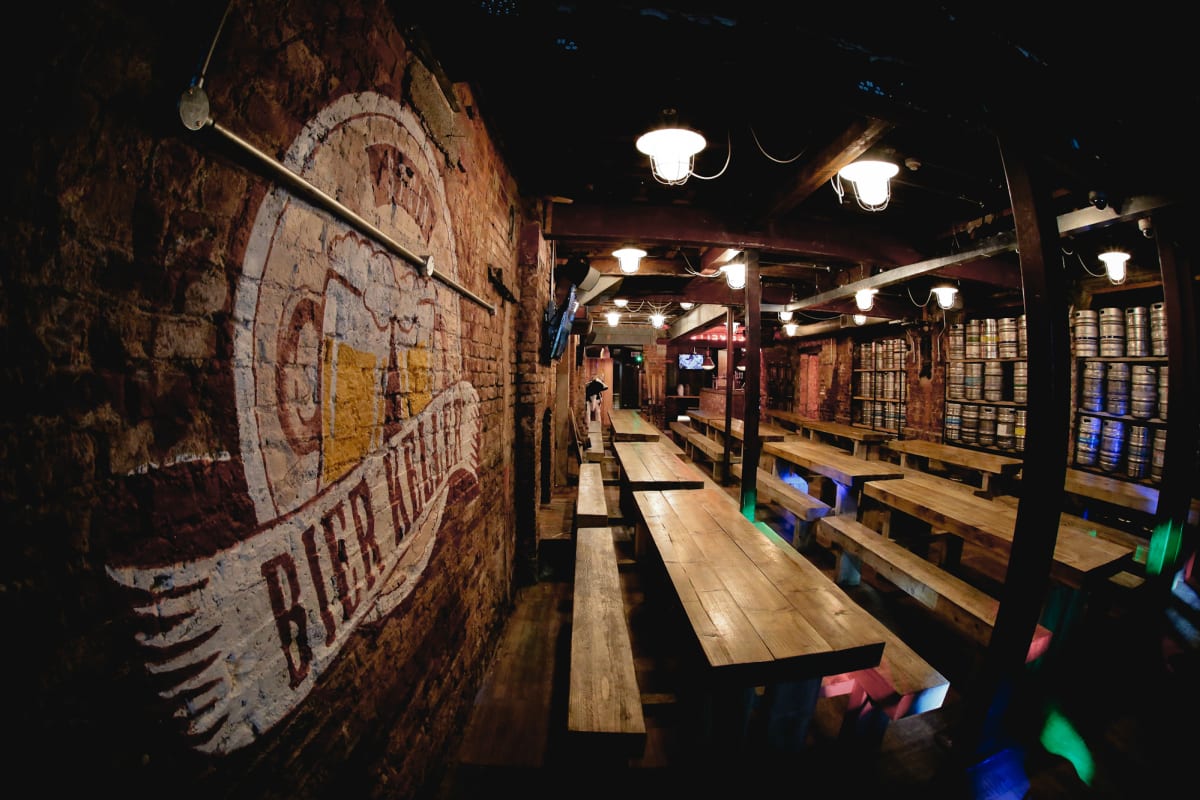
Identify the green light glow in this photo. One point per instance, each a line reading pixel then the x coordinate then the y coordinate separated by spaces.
pixel 750 505
pixel 1060 737
pixel 1164 547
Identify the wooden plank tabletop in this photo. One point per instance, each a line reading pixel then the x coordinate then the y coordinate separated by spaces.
pixel 648 465
pixel 832 462
pixel 990 525
pixel 978 460
pixel 759 614
pixel 766 431
pixel 629 426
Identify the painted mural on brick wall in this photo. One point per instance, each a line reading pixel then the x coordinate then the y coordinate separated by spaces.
pixel 354 420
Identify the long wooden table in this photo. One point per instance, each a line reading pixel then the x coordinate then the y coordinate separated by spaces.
pixel 652 465
pixel 990 525
pixel 761 616
pixel 861 439
pixel 629 426
pixel 1112 491
pixel 984 465
pixel 850 473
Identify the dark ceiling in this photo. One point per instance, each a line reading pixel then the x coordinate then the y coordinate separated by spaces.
pixel 788 92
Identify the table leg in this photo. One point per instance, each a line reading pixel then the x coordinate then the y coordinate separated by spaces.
pixel 789 708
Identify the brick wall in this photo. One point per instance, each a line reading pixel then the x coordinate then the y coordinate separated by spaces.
pixel 243 430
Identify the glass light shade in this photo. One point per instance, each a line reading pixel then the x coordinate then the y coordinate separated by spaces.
pixel 735 274
pixel 708 362
pixel 657 320
pixel 1114 265
pixel 685 305
pixel 865 299
pixel 614 318
pixel 790 328
pixel 629 258
pixel 785 316
pixel 870 181
pixel 671 151
pixel 945 295
pixel 620 302
pixel 860 319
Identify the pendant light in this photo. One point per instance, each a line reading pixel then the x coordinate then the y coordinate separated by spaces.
pixel 629 259
pixel 945 295
pixel 672 150
pixel 864 299
pixel 870 181
pixel 735 274
pixel 1114 265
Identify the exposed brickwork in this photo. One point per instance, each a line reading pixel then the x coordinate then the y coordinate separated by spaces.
pixel 123 443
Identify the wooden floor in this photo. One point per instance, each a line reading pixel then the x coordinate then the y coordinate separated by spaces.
pixel 1130 693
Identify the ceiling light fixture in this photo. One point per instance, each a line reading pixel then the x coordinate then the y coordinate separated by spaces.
pixel 870 180
pixel 790 328
pixel 865 299
pixel 735 274
pixel 614 318
pixel 657 320
pixel 785 316
pixel 620 302
pixel 671 150
pixel 686 305
pixel 708 362
pixel 1114 265
pixel 945 295
pixel 860 319
pixel 629 258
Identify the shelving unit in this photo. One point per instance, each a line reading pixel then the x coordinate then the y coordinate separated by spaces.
pixel 986 385
pixel 1119 373
pixel 879 390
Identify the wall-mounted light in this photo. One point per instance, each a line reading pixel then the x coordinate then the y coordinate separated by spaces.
pixel 620 302
pixel 671 150
pixel 860 319
pixel 871 182
pixel 945 295
pixel 657 320
pixel 864 299
pixel 629 258
pixel 785 316
pixel 1114 265
pixel 685 305
pixel 614 318
pixel 790 328
pixel 735 274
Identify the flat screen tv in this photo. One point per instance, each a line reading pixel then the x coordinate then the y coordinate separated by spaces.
pixel 691 361
pixel 558 326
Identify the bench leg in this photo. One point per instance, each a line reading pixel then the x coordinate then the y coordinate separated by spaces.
pixel 788 713
pixel 849 569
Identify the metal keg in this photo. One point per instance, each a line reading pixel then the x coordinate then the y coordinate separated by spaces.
pixel 953 421
pixel 989 339
pixel 1137 452
pixel 1087 441
pixel 987 426
pixel 1137 332
pixel 1020 382
pixel 1022 338
pixel 1158 453
pixel 1162 392
pixel 1143 391
pixel 1092 386
pixel 1006 424
pixel 956 373
pixel 993 381
pixel 956 344
pixel 1019 417
pixel 1158 329
pixel 1085 332
pixel 973 380
pixel 1116 389
pixel 970 423
pixel 1112 332
pixel 1112 444
pixel 1006 337
pixel 971 346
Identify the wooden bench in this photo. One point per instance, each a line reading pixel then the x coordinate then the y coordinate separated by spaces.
pixel 604 704
pixel 682 430
pixel 903 684
pixel 805 507
pixel 965 607
pixel 591 508
pixel 711 450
